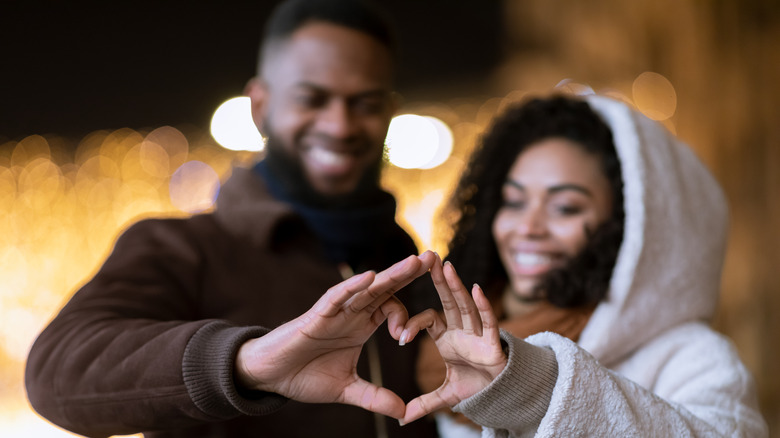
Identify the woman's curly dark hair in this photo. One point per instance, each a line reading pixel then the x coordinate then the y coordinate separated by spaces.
pixel 478 197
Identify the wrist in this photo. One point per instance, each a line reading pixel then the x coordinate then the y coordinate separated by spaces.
pixel 209 368
pixel 248 361
pixel 241 375
pixel 503 359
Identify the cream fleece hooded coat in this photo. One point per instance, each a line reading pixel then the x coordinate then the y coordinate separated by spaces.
pixel 647 364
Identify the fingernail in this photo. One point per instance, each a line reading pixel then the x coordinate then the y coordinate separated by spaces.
pixel 401 423
pixel 402 339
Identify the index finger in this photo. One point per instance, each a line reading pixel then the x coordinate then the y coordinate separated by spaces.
pixel 388 282
pixel 469 313
pixel 448 303
pixel 335 297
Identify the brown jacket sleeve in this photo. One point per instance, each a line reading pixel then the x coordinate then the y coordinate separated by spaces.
pixel 113 360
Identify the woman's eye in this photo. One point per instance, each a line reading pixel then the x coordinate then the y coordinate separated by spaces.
pixel 513 204
pixel 568 210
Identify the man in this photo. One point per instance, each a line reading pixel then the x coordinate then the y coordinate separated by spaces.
pixel 173 336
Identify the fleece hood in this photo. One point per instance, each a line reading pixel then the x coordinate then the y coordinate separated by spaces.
pixel 668 269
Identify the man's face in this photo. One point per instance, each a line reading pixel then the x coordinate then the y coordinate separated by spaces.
pixel 325 99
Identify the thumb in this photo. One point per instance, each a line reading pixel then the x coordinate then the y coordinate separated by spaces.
pixel 374 398
pixel 422 406
pixel 396 315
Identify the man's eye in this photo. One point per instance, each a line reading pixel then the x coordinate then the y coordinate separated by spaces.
pixel 310 100
pixel 369 106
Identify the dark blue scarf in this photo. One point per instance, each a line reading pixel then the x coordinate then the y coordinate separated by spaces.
pixel 349 233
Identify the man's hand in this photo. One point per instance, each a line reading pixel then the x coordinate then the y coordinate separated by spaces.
pixel 313 358
pixel 467 340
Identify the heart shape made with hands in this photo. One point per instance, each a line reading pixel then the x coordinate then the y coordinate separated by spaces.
pixel 466 337
pixel 313 358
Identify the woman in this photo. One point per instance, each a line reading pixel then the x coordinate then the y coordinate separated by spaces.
pixel 599 238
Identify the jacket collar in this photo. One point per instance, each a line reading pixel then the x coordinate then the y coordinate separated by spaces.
pixel 247 210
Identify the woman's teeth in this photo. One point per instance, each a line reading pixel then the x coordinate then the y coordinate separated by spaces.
pixel 529 259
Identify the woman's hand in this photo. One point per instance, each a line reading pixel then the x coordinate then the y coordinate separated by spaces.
pixel 467 339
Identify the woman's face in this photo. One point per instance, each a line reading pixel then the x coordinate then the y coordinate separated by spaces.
pixel 554 194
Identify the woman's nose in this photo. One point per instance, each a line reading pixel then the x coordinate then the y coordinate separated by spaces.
pixel 532 223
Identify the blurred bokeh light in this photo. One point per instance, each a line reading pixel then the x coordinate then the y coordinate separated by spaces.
pixel 194 187
pixel 233 128
pixel 63 206
pixel 444 146
pixel 418 142
pixel 654 96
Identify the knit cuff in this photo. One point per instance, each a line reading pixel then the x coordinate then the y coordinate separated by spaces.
pixel 207 368
pixel 519 397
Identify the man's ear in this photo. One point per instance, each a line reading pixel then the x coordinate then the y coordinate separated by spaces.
pixel 257 91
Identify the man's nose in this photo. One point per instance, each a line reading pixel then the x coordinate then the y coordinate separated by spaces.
pixel 336 120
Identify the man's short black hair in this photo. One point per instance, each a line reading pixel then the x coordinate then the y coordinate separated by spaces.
pixel 361 15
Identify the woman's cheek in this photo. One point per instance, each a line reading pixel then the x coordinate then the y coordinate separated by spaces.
pixel 572 235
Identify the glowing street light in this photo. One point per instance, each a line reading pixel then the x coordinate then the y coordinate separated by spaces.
pixel 233 128
pixel 418 142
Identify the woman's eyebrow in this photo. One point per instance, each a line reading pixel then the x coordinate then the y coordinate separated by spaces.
pixel 565 187
pixel 554 189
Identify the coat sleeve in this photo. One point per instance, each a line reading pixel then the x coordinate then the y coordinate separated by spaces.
pixel 698 388
pixel 127 352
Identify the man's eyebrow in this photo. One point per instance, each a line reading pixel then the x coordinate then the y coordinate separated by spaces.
pixel 375 92
pixel 554 189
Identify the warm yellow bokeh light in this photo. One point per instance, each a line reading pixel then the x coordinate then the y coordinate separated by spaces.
pixel 654 95
pixel 418 215
pixel 233 128
pixel 60 217
pixel 194 187
pixel 173 141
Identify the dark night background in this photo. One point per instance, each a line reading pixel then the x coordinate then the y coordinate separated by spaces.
pixel 70 68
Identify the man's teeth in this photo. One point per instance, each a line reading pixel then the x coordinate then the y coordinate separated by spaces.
pixel 526 259
pixel 328 157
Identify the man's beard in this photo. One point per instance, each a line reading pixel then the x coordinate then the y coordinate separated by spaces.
pixel 291 174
